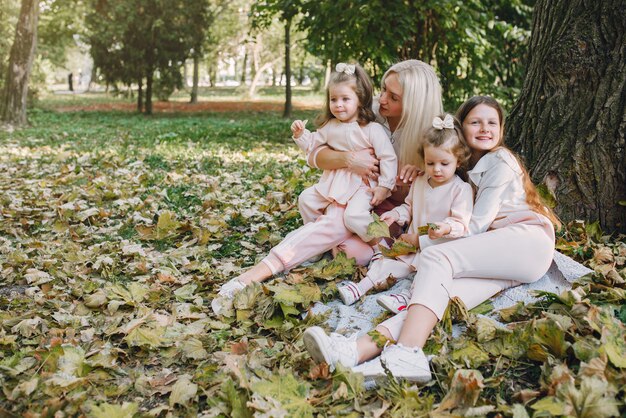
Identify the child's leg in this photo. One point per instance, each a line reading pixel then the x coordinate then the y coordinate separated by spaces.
pixel 381 269
pixel 378 272
pixel 358 216
pixel 354 247
pixel 311 204
pixel 309 240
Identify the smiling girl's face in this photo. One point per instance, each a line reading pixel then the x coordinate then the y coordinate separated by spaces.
pixel 482 129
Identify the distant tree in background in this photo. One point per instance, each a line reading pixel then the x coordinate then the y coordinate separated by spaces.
pixel 145 39
pixel 13 98
pixel 287 10
pixel 570 119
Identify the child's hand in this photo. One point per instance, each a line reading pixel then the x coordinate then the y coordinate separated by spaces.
pixel 379 193
pixel 297 127
pixel 441 230
pixel 412 239
pixel 389 217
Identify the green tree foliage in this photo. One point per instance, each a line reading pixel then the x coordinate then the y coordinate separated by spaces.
pixel 150 39
pixel 477 46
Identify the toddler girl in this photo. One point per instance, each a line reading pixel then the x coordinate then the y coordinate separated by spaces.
pixel 438 197
pixel 347 125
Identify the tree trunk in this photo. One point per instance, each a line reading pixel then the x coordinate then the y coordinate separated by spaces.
pixel 140 95
pixel 196 79
pixel 244 64
pixel 149 92
pixel 13 104
pixel 288 107
pixel 570 118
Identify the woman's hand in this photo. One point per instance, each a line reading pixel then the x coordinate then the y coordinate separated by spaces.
pixel 412 239
pixel 441 230
pixel 408 173
pixel 363 163
pixel 389 217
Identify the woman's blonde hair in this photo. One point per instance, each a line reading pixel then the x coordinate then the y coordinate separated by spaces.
pixel 451 139
pixel 363 88
pixel 421 102
pixel 532 196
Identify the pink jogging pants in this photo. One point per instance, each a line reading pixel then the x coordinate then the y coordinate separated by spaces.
pixel 478 267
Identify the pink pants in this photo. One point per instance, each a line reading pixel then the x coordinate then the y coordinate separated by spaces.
pixel 475 268
pixel 311 239
pixel 357 215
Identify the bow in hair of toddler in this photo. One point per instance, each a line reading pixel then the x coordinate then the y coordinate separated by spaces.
pixel 447 122
pixel 342 67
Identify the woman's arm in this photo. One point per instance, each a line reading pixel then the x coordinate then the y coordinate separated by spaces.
pixel 363 163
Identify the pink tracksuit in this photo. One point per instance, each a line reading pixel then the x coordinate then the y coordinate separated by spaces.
pixel 509 245
pixel 343 186
pixel 450 203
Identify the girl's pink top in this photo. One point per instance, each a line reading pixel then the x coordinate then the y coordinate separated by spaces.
pixel 340 185
pixel 451 203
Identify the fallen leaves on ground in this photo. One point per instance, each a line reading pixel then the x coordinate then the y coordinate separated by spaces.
pixel 117 230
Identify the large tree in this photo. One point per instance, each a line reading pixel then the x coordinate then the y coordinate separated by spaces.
pixel 137 40
pixel 570 119
pixel 13 98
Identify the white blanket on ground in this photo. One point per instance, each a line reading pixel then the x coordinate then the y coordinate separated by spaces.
pixel 359 317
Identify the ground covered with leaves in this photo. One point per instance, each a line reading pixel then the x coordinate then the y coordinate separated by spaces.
pixel 116 230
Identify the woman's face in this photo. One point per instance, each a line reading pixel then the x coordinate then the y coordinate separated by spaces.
pixel 482 129
pixel 391 97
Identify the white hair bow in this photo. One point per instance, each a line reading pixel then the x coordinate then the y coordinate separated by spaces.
pixel 447 122
pixel 342 67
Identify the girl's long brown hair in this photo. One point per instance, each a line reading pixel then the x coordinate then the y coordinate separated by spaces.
pixel 532 196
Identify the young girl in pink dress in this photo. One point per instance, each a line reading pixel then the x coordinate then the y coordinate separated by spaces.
pixel 347 125
pixel 438 197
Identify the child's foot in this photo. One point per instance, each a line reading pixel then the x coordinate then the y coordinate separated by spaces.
pixel 349 292
pixel 395 302
pixel 224 299
pixel 334 349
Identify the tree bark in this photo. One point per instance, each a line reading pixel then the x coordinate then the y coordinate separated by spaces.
pixel 570 118
pixel 288 106
pixel 13 104
pixel 196 79
pixel 149 92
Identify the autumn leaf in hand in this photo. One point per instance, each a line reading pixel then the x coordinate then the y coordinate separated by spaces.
pixel 378 228
pixel 398 248
pixel 423 230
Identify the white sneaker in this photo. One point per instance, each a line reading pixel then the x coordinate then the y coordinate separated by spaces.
pixel 349 293
pixel 395 302
pixel 224 299
pixel 406 363
pixel 372 371
pixel 333 349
